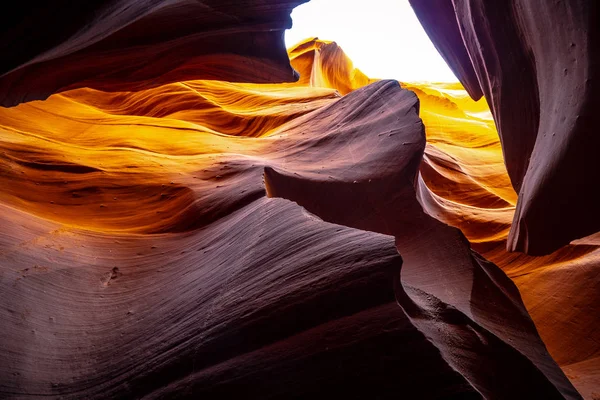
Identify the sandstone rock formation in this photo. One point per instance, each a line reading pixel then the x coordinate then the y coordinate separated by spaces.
pixel 463 182
pixel 537 64
pixel 164 236
pixel 122 45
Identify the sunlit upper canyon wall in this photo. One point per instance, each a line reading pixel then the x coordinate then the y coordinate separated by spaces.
pixel 188 210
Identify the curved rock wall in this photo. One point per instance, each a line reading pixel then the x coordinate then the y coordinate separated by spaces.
pixel 164 236
pixel 537 64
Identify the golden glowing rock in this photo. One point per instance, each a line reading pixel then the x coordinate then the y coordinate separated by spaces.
pixel 153 221
pixel 463 182
pixel 323 63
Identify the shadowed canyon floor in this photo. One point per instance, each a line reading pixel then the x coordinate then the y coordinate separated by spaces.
pixel 309 239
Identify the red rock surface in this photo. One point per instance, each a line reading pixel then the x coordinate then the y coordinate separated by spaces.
pixel 537 63
pixel 215 239
pixel 122 45
pixel 201 284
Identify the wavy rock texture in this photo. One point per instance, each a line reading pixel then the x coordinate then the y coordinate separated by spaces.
pixel 117 45
pixel 164 236
pixel 463 183
pixel 542 59
pixel 323 63
pixel 213 238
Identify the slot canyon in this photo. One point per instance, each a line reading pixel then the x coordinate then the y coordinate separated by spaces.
pixel 189 209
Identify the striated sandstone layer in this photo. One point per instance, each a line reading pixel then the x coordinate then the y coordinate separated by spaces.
pixel 124 45
pixel 537 63
pixel 206 238
pixel 463 182
pixel 168 233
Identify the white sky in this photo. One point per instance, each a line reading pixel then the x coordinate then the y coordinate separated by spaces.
pixel 382 37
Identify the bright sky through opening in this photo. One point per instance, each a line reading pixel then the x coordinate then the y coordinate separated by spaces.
pixel 383 38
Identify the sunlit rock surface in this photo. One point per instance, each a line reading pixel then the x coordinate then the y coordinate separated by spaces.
pixel 322 63
pixel 463 182
pixel 537 63
pixel 210 239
